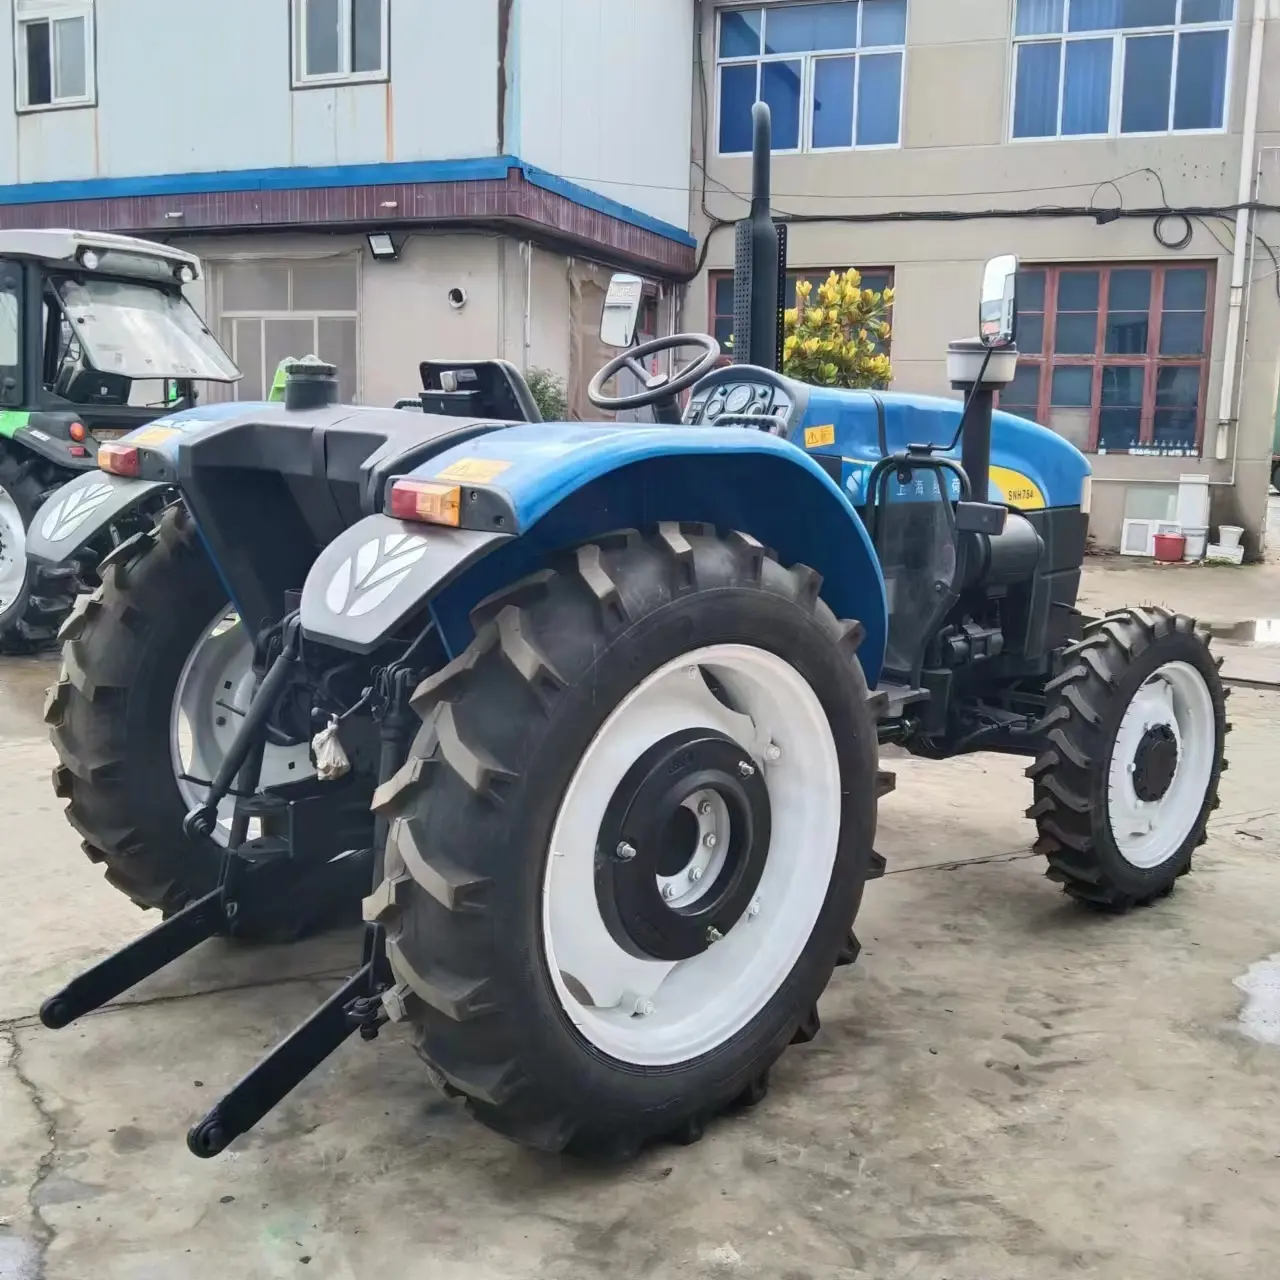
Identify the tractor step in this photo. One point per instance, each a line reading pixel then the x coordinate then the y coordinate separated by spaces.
pixel 349 1009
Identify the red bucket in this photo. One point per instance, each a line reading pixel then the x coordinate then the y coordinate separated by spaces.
pixel 1170 547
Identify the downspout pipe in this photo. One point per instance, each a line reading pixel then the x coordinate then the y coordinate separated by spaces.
pixel 1240 254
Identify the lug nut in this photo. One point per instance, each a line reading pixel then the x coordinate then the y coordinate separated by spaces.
pixel 774 753
pixel 714 934
pixel 709 839
pixel 695 874
pixel 625 852
pixel 704 808
pixel 643 1008
pixel 746 769
pixel 754 909
pixel 668 891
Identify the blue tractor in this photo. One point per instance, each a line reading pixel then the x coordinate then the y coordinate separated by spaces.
pixel 587 716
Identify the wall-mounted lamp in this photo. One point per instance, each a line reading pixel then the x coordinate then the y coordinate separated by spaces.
pixel 382 246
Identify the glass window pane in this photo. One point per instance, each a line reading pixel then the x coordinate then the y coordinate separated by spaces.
pixel 1039 17
pixel 724 298
pixel 833 102
pixel 69 73
pixel 366 35
pixel 1176 428
pixel 1110 15
pixel 884 22
pixel 1031 290
pixel 879 99
pixel 1022 395
pixel 1030 333
pixel 724 330
pixel 799 28
pixel 1127 333
pixel 876 281
pixel 286 340
pixel 1077 334
pixel 1185 289
pixel 1120 418
pixel 1078 291
pixel 1148 72
pixel 1072 386
pixel 740 34
pixel 39 71
pixel 324 50
pixel 1086 95
pixel 737 95
pixel 1035 107
pixel 247 352
pixel 336 343
pixel 1178 385
pixel 780 88
pixel 1200 102
pixel 254 286
pixel 1208 10
pixel 1182 333
pixel 1130 289
pixel 327 285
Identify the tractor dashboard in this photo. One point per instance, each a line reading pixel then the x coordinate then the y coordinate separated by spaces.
pixel 740 392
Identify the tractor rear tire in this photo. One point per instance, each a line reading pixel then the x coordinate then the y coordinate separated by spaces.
pixel 469 900
pixel 110 721
pixel 1103 777
pixel 42 598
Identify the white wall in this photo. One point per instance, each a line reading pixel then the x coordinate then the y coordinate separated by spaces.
pixel 202 85
pixel 405 314
pixel 604 97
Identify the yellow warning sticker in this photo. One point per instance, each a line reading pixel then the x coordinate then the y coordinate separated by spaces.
pixel 153 435
pixel 816 437
pixel 474 470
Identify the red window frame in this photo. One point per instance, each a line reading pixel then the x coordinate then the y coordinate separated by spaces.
pixel 818 275
pixel 1150 361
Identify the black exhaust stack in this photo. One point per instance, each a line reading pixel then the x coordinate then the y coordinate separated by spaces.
pixel 759 274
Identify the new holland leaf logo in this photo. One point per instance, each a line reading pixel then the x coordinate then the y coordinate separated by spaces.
pixel 71 512
pixel 366 579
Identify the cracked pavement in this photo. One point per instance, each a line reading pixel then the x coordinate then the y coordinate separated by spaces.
pixel 1004 1085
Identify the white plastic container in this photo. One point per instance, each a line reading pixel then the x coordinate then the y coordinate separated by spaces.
pixel 1229 535
pixel 1197 540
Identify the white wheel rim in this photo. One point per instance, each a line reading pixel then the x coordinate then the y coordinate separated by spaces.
pixel 212 697
pixel 656 1013
pixel 13 551
pixel 1149 833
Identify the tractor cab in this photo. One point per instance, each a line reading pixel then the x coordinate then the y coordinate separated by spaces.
pixel 96 338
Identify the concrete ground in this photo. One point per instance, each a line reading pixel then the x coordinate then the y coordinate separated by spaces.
pixel 1005 1086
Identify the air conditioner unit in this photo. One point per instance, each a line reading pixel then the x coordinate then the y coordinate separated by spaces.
pixel 1138 537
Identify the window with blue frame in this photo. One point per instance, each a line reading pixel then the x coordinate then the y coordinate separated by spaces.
pixel 831 74
pixel 1090 68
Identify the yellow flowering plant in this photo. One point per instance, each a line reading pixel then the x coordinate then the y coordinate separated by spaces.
pixel 838 339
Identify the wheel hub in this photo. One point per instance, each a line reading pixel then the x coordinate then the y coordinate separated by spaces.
pixel 682 846
pixel 1155 762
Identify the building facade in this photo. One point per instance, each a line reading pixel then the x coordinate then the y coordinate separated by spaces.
pixel 916 138
pixel 491 151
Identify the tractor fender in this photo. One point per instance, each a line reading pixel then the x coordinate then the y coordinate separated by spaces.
pixel 53 448
pixel 539 488
pixel 80 511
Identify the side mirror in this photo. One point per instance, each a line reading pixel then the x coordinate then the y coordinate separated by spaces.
pixel 621 311
pixel 998 311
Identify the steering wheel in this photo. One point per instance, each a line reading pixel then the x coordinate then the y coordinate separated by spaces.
pixel 658 387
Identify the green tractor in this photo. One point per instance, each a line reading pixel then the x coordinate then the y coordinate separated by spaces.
pixel 96 339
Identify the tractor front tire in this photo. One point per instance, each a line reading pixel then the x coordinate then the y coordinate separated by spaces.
pixel 515 799
pixel 1128 777
pixel 109 716
pixel 36 600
